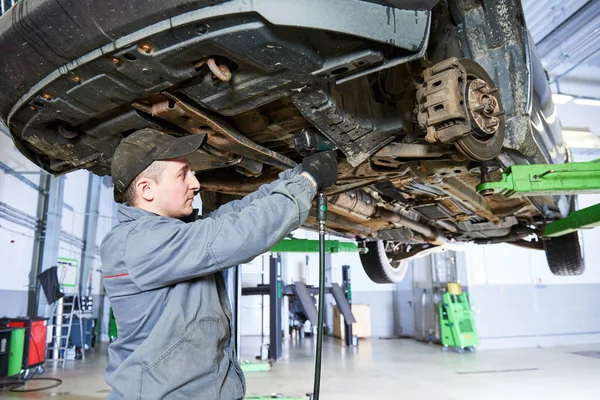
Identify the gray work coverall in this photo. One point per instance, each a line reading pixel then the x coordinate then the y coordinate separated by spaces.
pixel 163 278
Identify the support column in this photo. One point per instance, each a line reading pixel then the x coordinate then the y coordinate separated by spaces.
pixel 347 288
pixel 38 245
pixel 275 302
pixel 52 229
pixel 90 229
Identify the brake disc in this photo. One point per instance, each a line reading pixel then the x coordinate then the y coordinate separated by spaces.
pixel 486 115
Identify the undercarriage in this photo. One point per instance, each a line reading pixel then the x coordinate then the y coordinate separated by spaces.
pixel 419 118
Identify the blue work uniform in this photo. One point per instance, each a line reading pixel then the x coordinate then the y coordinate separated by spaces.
pixel 162 276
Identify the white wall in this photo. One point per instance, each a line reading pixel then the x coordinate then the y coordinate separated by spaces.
pixel 16 242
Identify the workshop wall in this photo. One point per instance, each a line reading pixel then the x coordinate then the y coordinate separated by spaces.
pixel 16 239
pixel 73 217
pixel 19 200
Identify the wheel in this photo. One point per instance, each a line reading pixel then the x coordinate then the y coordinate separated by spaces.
pixel 445 348
pixel 460 350
pixel 380 264
pixel 563 254
pixel 486 115
pixel 471 349
pixel 40 369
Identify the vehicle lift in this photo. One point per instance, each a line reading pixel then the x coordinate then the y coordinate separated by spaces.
pixel 552 179
pixel 276 290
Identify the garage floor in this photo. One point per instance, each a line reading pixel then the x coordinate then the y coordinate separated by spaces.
pixel 387 369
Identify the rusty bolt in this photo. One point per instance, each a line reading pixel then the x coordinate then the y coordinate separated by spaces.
pixel 499 113
pixel 478 108
pixel 47 96
pixel 492 91
pixel 115 60
pixel 479 87
pixel 32 108
pixel 492 124
pixel 146 47
pixel 76 78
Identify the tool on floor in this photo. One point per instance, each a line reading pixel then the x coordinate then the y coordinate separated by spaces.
pixel 308 142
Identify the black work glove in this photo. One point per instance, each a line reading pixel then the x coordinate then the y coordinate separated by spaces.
pixel 322 167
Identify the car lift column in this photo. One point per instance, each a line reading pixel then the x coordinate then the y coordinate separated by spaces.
pixel 275 304
pixel 346 286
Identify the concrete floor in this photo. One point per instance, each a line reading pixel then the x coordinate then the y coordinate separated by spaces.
pixel 384 369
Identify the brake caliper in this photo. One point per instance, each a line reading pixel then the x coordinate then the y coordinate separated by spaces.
pixel 458 103
pixel 441 104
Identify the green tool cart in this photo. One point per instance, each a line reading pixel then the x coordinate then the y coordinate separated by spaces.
pixel 12 344
pixel 456 320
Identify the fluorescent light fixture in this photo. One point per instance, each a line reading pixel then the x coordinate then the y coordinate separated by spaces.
pixel 561 98
pixel 580 138
pixel 587 102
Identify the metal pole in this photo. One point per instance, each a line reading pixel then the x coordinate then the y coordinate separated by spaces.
pixel 346 286
pixel 90 229
pixel 321 217
pixel 38 246
pixel 275 347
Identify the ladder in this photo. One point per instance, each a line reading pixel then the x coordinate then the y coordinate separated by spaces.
pixel 61 326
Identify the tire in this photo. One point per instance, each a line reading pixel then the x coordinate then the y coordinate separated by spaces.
pixel 564 255
pixel 379 267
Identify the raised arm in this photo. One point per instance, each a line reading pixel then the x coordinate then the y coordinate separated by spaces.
pixel 169 252
pixel 263 190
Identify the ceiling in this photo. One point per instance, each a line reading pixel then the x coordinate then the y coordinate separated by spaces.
pixel 567 37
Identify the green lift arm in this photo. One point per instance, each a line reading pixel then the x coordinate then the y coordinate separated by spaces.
pixel 546 180
pixel 312 246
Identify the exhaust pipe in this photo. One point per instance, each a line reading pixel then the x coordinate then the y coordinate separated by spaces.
pixel 361 203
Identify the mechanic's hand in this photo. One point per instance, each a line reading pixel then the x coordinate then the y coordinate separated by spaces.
pixel 322 167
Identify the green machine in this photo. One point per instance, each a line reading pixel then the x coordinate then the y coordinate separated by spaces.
pixel 456 320
pixel 17 345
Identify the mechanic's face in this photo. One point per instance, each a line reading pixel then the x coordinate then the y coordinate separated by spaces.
pixel 174 193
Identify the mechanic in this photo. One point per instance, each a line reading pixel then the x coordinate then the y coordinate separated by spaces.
pixel 162 266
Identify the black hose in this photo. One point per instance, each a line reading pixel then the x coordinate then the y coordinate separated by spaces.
pixel 17 383
pixel 57 381
pixel 321 217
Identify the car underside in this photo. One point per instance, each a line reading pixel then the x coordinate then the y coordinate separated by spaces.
pixel 424 100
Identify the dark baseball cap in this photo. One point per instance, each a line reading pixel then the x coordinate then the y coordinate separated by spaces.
pixel 140 149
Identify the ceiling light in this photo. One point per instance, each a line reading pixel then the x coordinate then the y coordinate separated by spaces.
pixel 561 98
pixel 587 102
